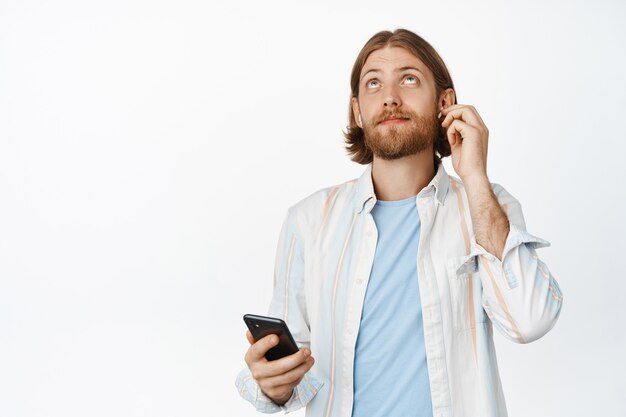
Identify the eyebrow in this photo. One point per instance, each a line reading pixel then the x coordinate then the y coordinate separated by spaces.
pixel 397 70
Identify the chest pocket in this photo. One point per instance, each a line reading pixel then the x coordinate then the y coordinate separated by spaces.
pixel 465 292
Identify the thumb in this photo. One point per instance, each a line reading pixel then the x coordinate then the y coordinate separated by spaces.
pixel 452 136
pixel 249 336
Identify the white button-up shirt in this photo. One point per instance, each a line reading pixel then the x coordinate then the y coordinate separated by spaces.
pixel 323 262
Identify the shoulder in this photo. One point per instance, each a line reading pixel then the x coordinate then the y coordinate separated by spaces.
pixel 502 194
pixel 509 204
pixel 312 209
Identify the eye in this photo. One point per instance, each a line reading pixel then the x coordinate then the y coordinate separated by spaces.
pixel 369 83
pixel 412 77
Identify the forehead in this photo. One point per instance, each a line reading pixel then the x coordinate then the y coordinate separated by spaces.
pixel 392 57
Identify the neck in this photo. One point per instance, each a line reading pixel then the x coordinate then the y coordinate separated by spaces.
pixel 404 177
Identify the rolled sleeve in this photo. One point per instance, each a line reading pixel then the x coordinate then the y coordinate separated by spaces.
pixel 515 239
pixel 520 295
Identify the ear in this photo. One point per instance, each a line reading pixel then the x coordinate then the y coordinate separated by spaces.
pixel 447 98
pixel 356 111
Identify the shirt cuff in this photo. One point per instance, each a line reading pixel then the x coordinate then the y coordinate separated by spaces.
pixel 302 393
pixel 514 240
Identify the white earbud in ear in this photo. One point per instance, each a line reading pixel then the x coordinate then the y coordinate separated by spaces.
pixel 360 123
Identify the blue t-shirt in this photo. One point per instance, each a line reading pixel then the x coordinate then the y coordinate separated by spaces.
pixel 390 373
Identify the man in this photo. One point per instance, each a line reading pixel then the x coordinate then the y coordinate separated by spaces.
pixel 394 280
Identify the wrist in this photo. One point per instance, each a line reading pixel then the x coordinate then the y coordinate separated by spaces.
pixel 282 400
pixel 478 180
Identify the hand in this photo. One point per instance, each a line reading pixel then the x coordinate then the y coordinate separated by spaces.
pixel 468 137
pixel 278 378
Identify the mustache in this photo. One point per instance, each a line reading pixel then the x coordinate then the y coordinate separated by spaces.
pixel 398 115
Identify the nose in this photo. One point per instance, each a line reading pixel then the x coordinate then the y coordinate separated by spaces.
pixel 392 98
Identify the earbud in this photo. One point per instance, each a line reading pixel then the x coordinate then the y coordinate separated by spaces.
pixel 359 123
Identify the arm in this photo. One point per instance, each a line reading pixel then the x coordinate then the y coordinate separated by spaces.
pixel 288 303
pixel 520 295
pixel 491 226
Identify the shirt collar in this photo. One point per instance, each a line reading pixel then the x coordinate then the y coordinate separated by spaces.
pixel 438 187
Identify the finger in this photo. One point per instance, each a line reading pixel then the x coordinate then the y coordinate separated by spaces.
pixel 261 346
pixel 249 337
pixel 468 107
pixel 445 111
pixel 283 365
pixel 478 115
pixel 466 113
pixel 457 131
pixel 291 377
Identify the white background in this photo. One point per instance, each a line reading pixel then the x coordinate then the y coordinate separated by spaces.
pixel 149 151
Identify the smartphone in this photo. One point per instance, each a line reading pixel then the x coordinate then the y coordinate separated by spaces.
pixel 261 326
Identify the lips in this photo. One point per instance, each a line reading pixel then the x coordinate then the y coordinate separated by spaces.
pixel 393 119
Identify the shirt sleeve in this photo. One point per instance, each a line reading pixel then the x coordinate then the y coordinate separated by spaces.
pixel 520 295
pixel 288 303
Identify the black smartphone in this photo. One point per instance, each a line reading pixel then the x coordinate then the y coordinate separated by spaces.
pixel 261 326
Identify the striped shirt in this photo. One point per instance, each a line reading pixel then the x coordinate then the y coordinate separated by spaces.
pixel 323 262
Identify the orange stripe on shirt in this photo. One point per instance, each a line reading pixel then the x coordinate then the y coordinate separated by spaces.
pixel 289 260
pixel 470 281
pixel 501 301
pixel 327 204
pixel 461 206
pixel 332 317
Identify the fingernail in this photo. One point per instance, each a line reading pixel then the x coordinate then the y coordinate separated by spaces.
pixel 307 352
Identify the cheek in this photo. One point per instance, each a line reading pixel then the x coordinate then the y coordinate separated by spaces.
pixel 419 101
pixel 367 107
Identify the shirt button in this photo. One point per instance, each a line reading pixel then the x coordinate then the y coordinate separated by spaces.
pixel 369 233
pixel 350 330
pixel 359 281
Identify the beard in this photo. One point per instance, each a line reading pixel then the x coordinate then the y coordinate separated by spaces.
pixel 418 133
